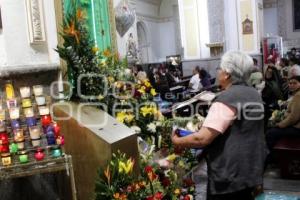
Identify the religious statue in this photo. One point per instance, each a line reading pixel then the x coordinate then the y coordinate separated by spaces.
pixel 131 47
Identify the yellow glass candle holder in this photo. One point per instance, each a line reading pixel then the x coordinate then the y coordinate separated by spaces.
pixel 6 159
pixel 28 112
pixel 9 89
pixel 2 114
pixel 26 103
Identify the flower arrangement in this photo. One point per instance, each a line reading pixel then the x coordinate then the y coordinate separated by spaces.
pixel 118 182
pixel 277 116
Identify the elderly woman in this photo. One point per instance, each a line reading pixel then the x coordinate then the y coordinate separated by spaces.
pixel 232 133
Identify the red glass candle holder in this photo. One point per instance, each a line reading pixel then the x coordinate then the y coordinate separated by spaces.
pixel 56 129
pixel 4 148
pixel 46 120
pixel 3 138
pixel 39 154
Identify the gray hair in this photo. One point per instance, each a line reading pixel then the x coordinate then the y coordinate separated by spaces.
pixel 238 64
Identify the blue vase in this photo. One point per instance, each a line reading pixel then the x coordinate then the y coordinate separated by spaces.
pixel 31 121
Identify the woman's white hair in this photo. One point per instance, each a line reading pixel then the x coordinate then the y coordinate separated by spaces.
pixel 238 64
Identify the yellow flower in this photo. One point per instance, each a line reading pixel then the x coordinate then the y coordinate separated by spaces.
pixel 147 83
pixel 142 90
pixel 153 92
pixel 126 167
pixel 177 191
pixel 146 110
pixel 106 53
pixel 121 117
pixel 100 97
pixel 171 157
pixel 117 195
pixel 95 49
pixel 111 79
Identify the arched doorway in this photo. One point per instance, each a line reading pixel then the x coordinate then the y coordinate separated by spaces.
pixel 143 42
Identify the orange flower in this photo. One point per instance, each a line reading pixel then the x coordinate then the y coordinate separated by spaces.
pixel 72 31
pixel 107 174
pixel 106 53
pixel 80 14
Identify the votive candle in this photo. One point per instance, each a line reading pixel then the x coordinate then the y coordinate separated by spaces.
pixel 35 132
pixel 28 112
pixel 38 90
pixel 26 103
pixel 25 92
pixel 6 159
pixel 40 100
pixel 14 113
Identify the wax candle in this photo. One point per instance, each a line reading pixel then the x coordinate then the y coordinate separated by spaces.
pixel 26 103
pixel 25 92
pixel 28 112
pixel 36 142
pixel 3 138
pixel 31 121
pixel 15 124
pixel 46 120
pixel 21 144
pixel 39 154
pixel 44 110
pixel 56 152
pixel 11 103
pixel 23 157
pixel 9 89
pixel 2 115
pixel 60 140
pixel 14 113
pixel 51 138
pixel 6 159
pixel 38 90
pixel 35 132
pixel 18 134
pixel 40 100
pixel 4 148
pixel 13 148
pixel 56 129
pixel 2 126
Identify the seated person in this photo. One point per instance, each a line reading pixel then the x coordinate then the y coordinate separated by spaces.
pixel 290 125
pixel 204 79
pixel 195 80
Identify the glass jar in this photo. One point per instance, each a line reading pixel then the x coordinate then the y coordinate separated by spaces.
pixel 11 103
pixel 18 134
pixel 39 154
pixel 36 142
pixel 2 126
pixel 35 132
pixel 40 100
pixel 51 140
pixel 23 157
pixel 26 103
pixel 9 89
pixel 25 92
pixel 44 110
pixel 46 120
pixel 14 113
pixel 37 90
pixel 15 124
pixel 56 152
pixel 3 138
pixel 6 159
pixel 28 112
pixel 31 121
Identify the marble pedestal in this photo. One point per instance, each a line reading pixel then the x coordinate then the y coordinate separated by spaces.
pixel 91 137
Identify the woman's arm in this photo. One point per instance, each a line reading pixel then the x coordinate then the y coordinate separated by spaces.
pixel 294 116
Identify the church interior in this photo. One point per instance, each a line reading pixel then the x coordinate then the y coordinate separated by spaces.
pixel 150 99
